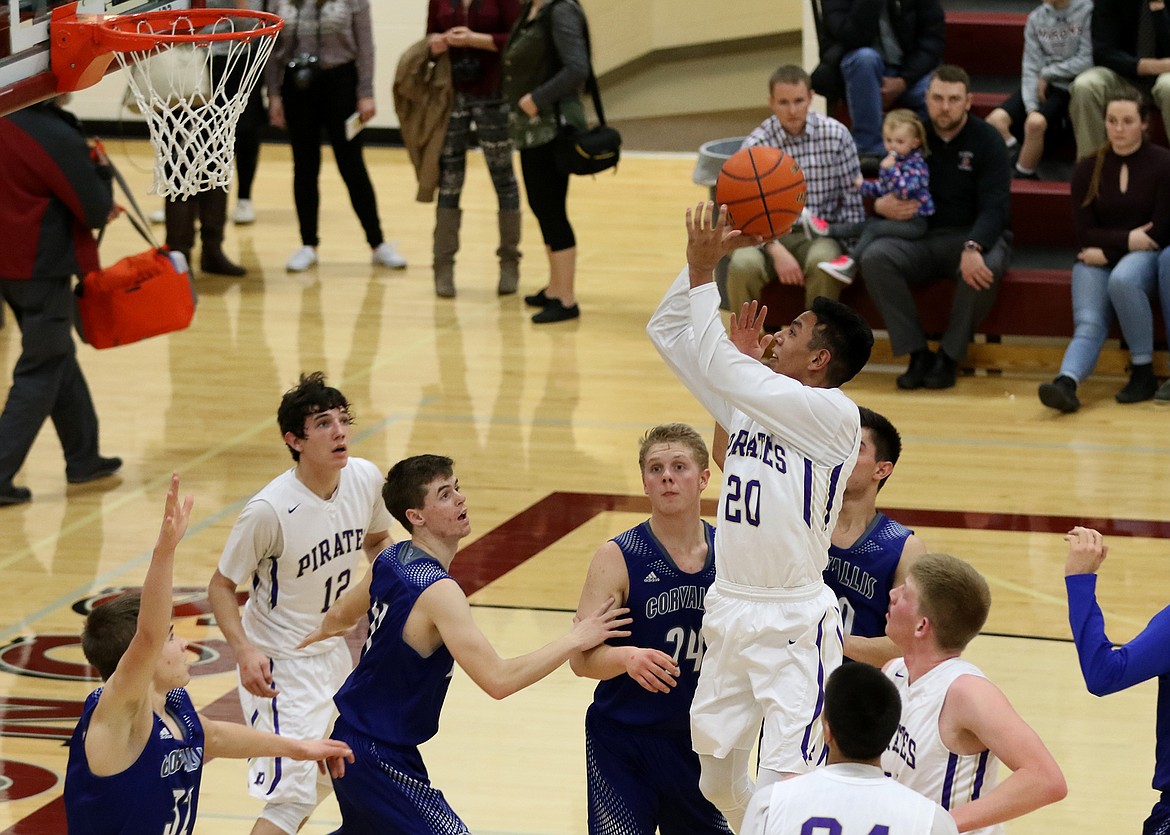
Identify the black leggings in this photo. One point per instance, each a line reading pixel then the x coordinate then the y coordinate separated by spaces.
pixel 251 122
pixel 548 191
pixel 328 102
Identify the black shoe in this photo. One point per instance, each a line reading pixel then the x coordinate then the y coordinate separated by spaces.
pixel 14 495
pixel 942 375
pixel 871 165
pixel 556 312
pixel 1142 385
pixel 1060 394
pixel 214 262
pixel 538 299
pixel 921 361
pixel 103 468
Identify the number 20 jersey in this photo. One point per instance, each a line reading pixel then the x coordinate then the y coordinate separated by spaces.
pixel 666 604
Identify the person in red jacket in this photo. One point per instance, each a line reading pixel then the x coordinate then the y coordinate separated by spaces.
pixel 53 191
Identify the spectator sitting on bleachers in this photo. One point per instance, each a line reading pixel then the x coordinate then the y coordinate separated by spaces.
pixel 886 52
pixel 968 240
pixel 1121 203
pixel 1058 46
pixel 825 152
pixel 1131 45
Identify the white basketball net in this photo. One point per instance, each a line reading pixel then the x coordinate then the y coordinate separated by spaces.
pixel 192 103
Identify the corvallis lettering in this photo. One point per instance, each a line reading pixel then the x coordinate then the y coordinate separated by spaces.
pixel 324 551
pixel 853 576
pixel 181 759
pixel 682 597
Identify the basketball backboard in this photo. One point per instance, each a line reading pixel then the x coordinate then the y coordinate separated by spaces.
pixel 25 76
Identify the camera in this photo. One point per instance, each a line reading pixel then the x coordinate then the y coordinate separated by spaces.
pixel 303 71
pixel 465 68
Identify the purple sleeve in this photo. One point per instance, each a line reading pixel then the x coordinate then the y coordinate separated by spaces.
pixel 1108 670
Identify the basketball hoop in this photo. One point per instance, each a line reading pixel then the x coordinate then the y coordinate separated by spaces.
pixel 191 107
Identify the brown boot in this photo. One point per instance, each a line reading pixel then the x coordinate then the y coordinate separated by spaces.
pixel 212 260
pixel 212 219
pixel 447 223
pixel 509 252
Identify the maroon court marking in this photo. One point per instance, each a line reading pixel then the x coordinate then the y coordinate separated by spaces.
pixel 531 531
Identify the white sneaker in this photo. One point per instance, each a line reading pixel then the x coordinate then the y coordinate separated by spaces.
pixel 157 217
pixel 386 255
pixel 245 213
pixel 301 260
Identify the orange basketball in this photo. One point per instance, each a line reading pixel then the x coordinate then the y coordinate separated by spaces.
pixel 763 189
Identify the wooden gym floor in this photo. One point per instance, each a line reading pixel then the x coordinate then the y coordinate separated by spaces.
pixel 543 423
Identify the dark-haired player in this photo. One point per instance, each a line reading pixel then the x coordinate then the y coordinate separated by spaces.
pixel 772 627
pixel 643 775
pixel 298 545
pixel 136 757
pixel 870 552
pixel 420 625
pixel 851 793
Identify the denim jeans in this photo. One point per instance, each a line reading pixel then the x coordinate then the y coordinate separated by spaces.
pixel 1131 295
pixel 862 71
pixel 1093 305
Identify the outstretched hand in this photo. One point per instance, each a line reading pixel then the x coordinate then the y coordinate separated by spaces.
pixel 599 627
pixel 1086 551
pixel 319 634
pixel 746 329
pixel 331 755
pixel 176 515
pixel 709 238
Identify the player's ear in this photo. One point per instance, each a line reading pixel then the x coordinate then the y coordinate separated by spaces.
pixel 820 359
pixel 883 470
pixel 293 441
pixel 704 478
pixel 415 517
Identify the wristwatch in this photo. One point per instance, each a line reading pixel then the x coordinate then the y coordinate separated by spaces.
pixel 972 246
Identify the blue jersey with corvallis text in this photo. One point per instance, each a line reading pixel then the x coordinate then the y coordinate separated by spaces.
pixel 666 604
pixel 861 576
pixel 158 794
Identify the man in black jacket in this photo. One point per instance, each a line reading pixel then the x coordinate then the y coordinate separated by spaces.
pixel 968 242
pixel 53 192
pixel 886 50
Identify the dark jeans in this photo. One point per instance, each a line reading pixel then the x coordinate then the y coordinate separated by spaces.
pixel 47 381
pixel 325 106
pixel 548 191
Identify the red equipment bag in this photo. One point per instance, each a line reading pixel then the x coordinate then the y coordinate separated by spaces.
pixel 141 296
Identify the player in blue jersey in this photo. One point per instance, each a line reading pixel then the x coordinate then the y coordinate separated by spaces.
pixel 420 623
pixel 1106 669
pixel 870 553
pixel 136 757
pixel 642 774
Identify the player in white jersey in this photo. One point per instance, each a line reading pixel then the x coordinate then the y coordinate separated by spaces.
pixel 850 794
pixel 771 625
pixel 298 545
pixel 956 725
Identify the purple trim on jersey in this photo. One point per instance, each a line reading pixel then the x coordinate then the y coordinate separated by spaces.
pixel 808 729
pixel 808 480
pixel 949 781
pixel 275 584
pixel 278 770
pixel 833 479
pixel 980 773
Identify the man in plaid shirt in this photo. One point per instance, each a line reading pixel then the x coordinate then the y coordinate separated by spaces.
pixel 826 152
